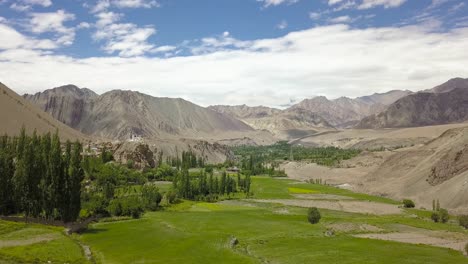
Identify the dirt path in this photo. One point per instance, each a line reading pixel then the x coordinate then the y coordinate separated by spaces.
pixel 346 206
pixel 29 241
pixel 418 238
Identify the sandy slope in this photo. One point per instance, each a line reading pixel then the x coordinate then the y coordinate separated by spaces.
pixel 16 112
pixel 435 170
pixel 375 138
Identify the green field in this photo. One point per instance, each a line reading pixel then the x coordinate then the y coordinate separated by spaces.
pixel 199 232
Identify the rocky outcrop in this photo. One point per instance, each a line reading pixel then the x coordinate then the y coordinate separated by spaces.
pixel 139 156
pixel 450 164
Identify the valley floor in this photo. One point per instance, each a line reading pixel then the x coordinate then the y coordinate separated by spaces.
pixel 271 228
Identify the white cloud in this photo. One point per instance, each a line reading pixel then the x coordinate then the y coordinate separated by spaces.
pixel 162 49
pixel 457 7
pixel 135 3
pixel 332 60
pixel 366 4
pixel 267 3
pixel 104 5
pixel 127 39
pixel 315 15
pixel 100 6
pixel 17 40
pixel 282 25
pixel 333 2
pixel 340 19
pixel 345 5
pixel 53 22
pixel 20 7
pixel 44 3
pixel 218 43
pixel 26 5
pixel 83 25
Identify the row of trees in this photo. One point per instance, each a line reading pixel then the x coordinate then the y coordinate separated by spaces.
pixel 39 178
pixel 199 188
pixel 186 161
pixel 327 156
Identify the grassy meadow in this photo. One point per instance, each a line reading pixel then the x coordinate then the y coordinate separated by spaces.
pixel 200 232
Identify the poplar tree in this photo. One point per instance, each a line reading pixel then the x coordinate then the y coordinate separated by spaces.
pixel 56 174
pixel 75 177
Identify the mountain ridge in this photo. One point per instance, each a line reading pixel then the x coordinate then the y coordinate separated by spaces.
pixel 121 114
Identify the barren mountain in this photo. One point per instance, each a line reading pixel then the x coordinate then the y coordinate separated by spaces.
pixel 121 114
pixel 387 98
pixel 289 123
pixel 65 103
pixel 450 85
pixel 345 112
pixel 244 111
pixel 422 109
pixel 17 112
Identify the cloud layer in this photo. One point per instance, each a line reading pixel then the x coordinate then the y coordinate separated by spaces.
pixel 327 60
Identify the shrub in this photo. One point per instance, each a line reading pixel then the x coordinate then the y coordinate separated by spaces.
pixel 151 197
pixel 435 217
pixel 313 215
pixel 126 206
pixel 466 248
pixel 463 220
pixel 408 203
pixel 444 215
pixel 171 196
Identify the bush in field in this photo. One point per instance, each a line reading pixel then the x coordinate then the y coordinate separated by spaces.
pixel 463 221
pixel 171 196
pixel 435 217
pixel 444 215
pixel 408 203
pixel 441 215
pixel 313 215
pixel 151 197
pixel 126 206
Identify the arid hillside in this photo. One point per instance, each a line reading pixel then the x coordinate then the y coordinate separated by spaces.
pixel 344 111
pixel 437 170
pixel 123 114
pixel 17 112
pixel 422 109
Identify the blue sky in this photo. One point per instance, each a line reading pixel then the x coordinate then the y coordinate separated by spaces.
pixel 269 52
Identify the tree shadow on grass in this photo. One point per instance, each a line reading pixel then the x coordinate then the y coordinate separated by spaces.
pixel 94 231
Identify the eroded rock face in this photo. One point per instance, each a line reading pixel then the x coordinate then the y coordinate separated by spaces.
pixel 140 156
pixel 66 103
pixel 453 163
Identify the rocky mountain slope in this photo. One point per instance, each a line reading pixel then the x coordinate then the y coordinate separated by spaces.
pixel 437 170
pixel 123 114
pixel 244 111
pixel 311 115
pixel 344 111
pixel 450 85
pixel 65 103
pixel 286 124
pixel 16 112
pixel 422 109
